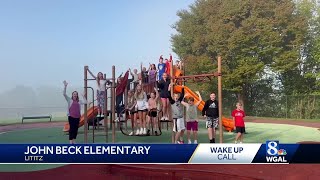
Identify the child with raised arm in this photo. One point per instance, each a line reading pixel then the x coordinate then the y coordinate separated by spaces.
pixel 192 115
pixel 211 113
pixel 101 91
pixel 145 75
pixel 161 68
pixel 152 107
pixel 152 75
pixel 177 65
pixel 131 110
pixel 74 112
pixel 238 118
pixel 135 77
pixel 168 64
pixel 142 107
pixel 177 115
pixel 163 85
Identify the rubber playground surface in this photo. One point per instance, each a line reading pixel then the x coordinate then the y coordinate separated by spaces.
pixel 257 132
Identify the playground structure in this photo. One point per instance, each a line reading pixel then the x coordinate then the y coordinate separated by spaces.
pixel 109 116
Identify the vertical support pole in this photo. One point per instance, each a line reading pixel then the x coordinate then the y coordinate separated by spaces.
pixel 85 72
pixel 113 103
pixel 125 105
pixel 169 108
pixel 220 100
pixel 95 118
pixel 105 110
pixel 184 84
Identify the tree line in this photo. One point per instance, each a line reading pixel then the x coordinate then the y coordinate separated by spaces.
pixel 270 52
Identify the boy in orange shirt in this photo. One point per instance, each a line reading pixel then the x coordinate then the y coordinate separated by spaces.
pixel 238 117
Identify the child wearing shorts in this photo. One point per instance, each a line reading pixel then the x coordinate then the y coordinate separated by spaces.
pixel 163 86
pixel 211 113
pixel 192 115
pixel 177 115
pixel 238 117
pixel 152 109
pixel 131 110
pixel 142 107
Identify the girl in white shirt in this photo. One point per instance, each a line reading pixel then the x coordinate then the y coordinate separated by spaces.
pixel 142 107
pixel 101 90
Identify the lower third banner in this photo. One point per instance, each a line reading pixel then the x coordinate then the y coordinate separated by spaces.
pixel 270 152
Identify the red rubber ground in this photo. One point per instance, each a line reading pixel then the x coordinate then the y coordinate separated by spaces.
pixel 79 172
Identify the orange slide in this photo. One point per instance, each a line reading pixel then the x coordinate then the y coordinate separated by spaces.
pixel 228 124
pixel 92 112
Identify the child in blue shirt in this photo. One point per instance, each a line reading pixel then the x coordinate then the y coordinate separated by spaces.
pixel 161 68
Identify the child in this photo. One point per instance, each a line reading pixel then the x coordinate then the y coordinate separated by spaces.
pixel 120 88
pixel 74 112
pixel 238 116
pixel 177 115
pixel 152 75
pixel 164 95
pixel 142 107
pixel 177 65
pixel 168 64
pixel 131 110
pixel 192 114
pixel 153 112
pixel 145 75
pixel 135 78
pixel 211 113
pixel 101 91
pixel 161 68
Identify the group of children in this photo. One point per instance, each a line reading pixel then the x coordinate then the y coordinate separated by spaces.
pixel 146 106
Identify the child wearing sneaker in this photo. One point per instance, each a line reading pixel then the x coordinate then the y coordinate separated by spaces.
pixel 192 115
pixel 238 117
pixel 211 112
pixel 177 115
pixel 142 107
pixel 131 110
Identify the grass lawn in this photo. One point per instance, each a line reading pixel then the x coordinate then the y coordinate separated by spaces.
pixel 257 133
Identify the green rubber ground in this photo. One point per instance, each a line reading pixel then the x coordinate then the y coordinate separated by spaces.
pixel 257 133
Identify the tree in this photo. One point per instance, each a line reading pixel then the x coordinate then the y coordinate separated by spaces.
pixel 254 37
pixel 301 77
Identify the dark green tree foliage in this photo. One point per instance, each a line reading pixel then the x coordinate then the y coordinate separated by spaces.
pixel 258 41
pixel 301 78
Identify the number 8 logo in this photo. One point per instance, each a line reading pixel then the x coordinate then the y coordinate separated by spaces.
pixel 272 150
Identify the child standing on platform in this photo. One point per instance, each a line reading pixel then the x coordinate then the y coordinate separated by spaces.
pixel 135 77
pixel 161 68
pixel 145 76
pixel 152 76
pixel 238 117
pixel 168 64
pixel 177 115
pixel 192 115
pixel 211 113
pixel 163 85
pixel 101 91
